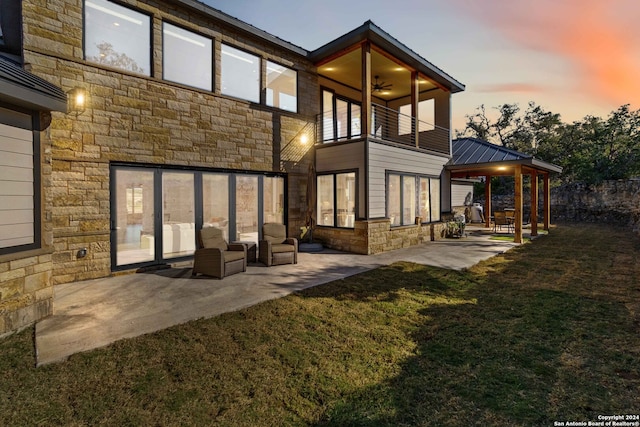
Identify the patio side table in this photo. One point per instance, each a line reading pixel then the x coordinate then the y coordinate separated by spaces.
pixel 251 250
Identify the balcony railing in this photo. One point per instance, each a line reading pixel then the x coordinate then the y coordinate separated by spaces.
pixel 386 124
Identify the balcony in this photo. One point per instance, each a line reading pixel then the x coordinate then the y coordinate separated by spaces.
pixel 387 125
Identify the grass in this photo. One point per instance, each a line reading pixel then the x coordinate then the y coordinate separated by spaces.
pixel 546 332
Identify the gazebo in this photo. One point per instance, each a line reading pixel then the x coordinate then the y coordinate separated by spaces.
pixel 473 158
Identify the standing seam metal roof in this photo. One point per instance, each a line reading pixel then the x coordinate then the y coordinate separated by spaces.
pixel 467 151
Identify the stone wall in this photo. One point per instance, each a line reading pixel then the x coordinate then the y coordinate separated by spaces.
pixel 376 236
pixel 146 120
pixel 612 202
pixel 26 294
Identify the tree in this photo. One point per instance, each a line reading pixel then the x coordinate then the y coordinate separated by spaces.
pixel 590 150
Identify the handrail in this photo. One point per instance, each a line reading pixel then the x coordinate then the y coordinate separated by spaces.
pixel 386 124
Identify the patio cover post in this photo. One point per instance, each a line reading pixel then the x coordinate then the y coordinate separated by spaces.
pixel 415 96
pixel 487 201
pixel 365 108
pixel 534 202
pixel 547 202
pixel 517 238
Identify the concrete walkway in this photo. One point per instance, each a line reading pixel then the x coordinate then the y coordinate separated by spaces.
pixel 94 313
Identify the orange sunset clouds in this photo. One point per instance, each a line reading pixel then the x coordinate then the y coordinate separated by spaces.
pixel 598 38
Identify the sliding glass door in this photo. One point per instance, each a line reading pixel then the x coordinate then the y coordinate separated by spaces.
pixel 178 214
pixel 156 211
pixel 134 224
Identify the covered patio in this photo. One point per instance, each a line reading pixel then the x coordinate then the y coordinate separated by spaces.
pixel 473 158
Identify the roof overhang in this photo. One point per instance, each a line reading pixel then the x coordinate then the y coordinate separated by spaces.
pixel 23 89
pixel 371 32
pixel 505 167
pixel 241 25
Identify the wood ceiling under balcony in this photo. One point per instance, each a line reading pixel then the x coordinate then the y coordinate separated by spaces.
pixel 347 69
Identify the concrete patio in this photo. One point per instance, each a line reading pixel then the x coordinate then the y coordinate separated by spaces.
pixel 95 313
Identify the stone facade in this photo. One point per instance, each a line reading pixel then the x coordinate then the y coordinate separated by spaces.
pixel 147 120
pixel 132 119
pixel 377 235
pixel 26 293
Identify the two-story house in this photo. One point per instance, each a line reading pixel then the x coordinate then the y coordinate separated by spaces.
pixel 126 126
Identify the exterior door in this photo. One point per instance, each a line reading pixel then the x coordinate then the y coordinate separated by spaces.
pixel 133 228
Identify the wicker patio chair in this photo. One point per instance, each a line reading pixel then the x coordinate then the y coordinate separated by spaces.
pixel 215 257
pixel 275 248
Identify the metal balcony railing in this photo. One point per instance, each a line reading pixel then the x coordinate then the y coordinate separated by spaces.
pixel 386 124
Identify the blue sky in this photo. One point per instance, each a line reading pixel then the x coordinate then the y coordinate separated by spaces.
pixel 573 57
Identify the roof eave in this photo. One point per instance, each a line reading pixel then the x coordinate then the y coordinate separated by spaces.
pixel 530 162
pixel 242 26
pixel 379 37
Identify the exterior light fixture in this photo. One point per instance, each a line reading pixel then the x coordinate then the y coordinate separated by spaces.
pixel 77 100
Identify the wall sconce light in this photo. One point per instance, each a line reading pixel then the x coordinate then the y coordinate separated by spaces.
pixel 304 139
pixel 77 100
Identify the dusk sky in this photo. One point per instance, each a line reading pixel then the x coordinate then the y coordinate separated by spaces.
pixel 572 57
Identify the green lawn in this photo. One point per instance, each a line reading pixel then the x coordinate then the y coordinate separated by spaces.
pixel 549 331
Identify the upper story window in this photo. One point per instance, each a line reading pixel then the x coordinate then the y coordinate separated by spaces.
pixel 11 29
pixel 240 74
pixel 282 87
pixel 187 57
pixel 426 117
pixel 117 36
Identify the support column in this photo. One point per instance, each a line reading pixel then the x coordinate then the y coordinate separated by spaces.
pixel 415 99
pixel 547 203
pixel 534 203
pixel 518 201
pixel 365 108
pixel 487 201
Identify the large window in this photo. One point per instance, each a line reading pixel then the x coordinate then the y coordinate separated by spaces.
pixel 157 211
pixel 117 36
pixel 187 57
pixel 341 118
pixel 240 75
pixel 19 195
pixel 282 87
pixel 410 196
pixel 426 117
pixel 337 199
pixel 11 29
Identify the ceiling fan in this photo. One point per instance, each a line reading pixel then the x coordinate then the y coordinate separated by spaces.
pixel 380 86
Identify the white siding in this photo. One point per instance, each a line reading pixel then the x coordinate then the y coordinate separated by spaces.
pixel 383 158
pixel 16 186
pixel 461 193
pixel 342 157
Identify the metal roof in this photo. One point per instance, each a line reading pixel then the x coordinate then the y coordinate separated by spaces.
pixel 474 153
pixel 21 88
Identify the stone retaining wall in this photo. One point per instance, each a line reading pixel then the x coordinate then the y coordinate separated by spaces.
pixel 376 236
pixel 612 202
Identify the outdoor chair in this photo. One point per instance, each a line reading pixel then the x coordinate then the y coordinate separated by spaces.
pixel 215 257
pixel 275 248
pixel 501 219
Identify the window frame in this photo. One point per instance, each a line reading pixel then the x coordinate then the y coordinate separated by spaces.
pixel 266 86
pixel 212 81
pixel 259 96
pixel 334 182
pixel 149 30
pixel 334 116
pixel 418 177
